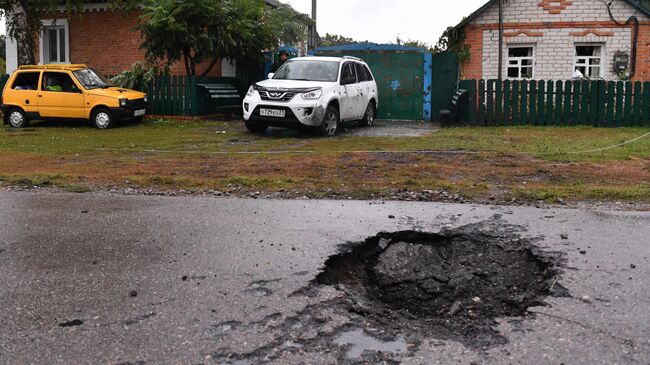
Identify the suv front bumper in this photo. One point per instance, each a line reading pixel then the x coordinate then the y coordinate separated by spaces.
pixel 296 113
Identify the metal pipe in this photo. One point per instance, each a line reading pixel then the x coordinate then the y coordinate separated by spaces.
pixel 313 41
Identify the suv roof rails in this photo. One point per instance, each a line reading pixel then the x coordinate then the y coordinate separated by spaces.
pixel 352 58
pixel 52 67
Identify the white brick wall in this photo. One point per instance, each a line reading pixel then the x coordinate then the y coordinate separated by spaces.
pixel 528 11
pixel 555 51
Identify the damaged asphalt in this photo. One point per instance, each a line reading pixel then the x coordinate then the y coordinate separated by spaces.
pixel 106 278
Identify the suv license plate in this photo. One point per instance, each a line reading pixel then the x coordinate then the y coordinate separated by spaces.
pixel 139 113
pixel 272 113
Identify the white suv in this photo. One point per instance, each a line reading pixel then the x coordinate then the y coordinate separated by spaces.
pixel 313 91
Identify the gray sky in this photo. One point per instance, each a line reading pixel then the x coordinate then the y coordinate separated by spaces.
pixel 382 21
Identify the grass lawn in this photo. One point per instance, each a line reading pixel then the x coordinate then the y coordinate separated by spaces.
pixel 479 164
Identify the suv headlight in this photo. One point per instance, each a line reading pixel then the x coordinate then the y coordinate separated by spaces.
pixel 251 90
pixel 313 95
pixel 123 102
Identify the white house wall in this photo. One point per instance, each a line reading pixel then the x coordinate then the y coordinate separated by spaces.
pixel 555 51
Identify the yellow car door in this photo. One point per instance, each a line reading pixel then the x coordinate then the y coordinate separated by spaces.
pixel 60 96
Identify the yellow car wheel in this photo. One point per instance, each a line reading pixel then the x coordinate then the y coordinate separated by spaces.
pixel 17 118
pixel 102 119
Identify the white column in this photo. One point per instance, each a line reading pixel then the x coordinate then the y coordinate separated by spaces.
pixel 12 51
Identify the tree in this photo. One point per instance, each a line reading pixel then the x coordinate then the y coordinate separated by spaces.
pixel 197 31
pixel 335 40
pixel 413 43
pixel 453 40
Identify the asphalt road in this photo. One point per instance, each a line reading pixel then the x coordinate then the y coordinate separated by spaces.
pixel 112 279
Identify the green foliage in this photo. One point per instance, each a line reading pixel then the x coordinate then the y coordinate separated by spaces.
pixel 197 31
pixel 453 40
pixel 139 77
pixel 331 40
pixel 413 43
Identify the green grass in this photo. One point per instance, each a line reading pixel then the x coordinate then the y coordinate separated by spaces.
pixel 200 137
pixel 197 155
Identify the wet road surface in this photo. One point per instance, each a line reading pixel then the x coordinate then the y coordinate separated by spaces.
pixel 99 278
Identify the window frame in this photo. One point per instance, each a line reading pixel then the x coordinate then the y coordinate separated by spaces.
pixel 72 79
pixel 361 73
pixel 58 24
pixel 519 65
pixel 354 71
pixel 19 73
pixel 588 66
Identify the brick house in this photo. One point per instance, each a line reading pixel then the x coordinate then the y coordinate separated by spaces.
pixel 102 39
pixel 558 40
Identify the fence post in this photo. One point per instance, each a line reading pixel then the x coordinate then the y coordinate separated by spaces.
pixel 579 100
pixel 637 104
pixel 627 113
pixel 195 97
pixel 516 112
pixel 645 120
pixel 611 104
pixel 506 103
pixel 532 118
pixel 566 116
pixel 541 110
pixel 600 107
pixel 481 102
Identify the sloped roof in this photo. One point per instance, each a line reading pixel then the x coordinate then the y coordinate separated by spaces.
pixel 640 5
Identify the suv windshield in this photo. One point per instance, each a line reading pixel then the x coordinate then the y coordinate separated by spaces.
pixel 326 71
pixel 91 79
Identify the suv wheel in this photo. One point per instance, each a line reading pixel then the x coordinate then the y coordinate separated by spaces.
pixel 368 118
pixel 17 118
pixel 102 119
pixel 256 127
pixel 331 122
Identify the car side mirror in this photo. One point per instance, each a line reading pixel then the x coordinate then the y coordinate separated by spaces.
pixel 270 75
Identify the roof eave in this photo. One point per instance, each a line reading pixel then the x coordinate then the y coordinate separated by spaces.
pixel 480 10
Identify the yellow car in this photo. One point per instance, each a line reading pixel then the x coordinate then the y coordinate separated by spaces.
pixel 68 92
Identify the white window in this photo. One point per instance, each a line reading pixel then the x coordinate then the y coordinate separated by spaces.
pixel 521 61
pixel 54 42
pixel 588 61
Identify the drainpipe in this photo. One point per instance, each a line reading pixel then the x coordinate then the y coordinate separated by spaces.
pixel 500 73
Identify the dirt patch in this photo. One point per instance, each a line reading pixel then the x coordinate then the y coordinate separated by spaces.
pixel 456 282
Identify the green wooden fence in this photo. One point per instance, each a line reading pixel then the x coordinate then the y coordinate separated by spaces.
pixel 558 103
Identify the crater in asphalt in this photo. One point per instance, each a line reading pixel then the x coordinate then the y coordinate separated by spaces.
pixel 453 283
pixel 378 300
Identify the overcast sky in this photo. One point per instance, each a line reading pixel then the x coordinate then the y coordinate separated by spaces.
pixel 382 21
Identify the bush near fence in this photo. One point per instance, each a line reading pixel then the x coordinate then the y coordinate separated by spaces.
pixel 559 103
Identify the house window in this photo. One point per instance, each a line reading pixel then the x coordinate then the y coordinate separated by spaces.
pixel 54 42
pixel 588 61
pixel 521 61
